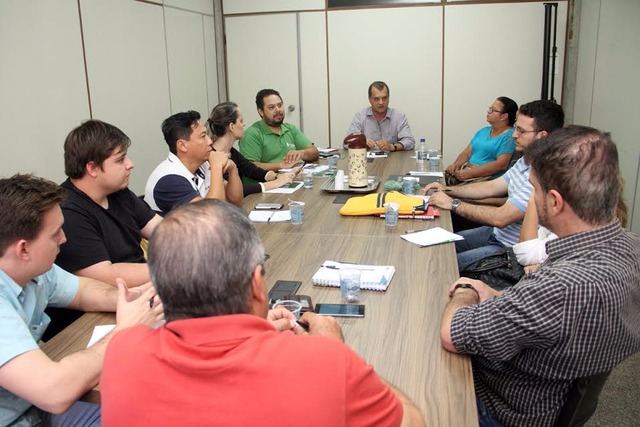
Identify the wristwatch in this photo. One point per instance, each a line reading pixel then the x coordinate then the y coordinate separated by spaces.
pixel 454 204
pixel 465 286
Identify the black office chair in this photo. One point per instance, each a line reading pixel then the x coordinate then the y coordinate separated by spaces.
pixel 582 401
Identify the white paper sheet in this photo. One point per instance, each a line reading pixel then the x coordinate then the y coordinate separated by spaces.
pixel 374 155
pixel 286 189
pixel 315 168
pixel 433 236
pixel 423 173
pixel 270 216
pixel 99 332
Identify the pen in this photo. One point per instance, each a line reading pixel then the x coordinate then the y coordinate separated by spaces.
pixel 335 267
pixel 303 325
pixel 415 231
pixel 435 244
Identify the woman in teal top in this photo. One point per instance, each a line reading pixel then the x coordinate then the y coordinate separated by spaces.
pixel 488 154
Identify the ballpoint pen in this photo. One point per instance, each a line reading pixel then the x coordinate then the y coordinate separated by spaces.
pixel 416 230
pixel 303 325
pixel 335 267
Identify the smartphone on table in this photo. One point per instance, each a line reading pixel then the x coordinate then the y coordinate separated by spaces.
pixel 269 206
pixel 340 310
pixel 283 288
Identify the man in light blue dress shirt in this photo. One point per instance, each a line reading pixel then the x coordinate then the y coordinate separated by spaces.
pixel 34 390
pixel 385 128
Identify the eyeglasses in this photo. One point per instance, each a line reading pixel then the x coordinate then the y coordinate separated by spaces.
pixel 522 131
pixel 493 110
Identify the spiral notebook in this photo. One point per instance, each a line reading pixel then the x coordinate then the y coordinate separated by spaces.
pixel 373 277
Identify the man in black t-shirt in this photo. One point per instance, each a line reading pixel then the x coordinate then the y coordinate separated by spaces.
pixel 104 220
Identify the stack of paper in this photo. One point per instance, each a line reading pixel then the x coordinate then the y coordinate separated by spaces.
pixel 425 173
pixel 377 154
pixel 373 277
pixel 431 213
pixel 326 152
pixel 433 236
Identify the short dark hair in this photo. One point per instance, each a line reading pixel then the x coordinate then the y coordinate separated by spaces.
pixel 221 116
pixel 547 115
pixel 378 85
pixel 510 107
pixel 24 200
pixel 201 259
pixel 581 163
pixel 179 126
pixel 92 141
pixel 260 96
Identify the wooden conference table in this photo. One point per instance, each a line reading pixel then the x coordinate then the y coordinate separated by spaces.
pixel 399 335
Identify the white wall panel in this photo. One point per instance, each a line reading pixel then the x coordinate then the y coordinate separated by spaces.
pixel 262 53
pixel 491 50
pixel 200 6
pixel 608 82
pixel 127 67
pixel 211 66
pixel 254 6
pixel 186 56
pixel 313 70
pixel 42 84
pixel 400 46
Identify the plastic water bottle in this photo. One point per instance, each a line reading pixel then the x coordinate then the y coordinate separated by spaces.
pixel 421 153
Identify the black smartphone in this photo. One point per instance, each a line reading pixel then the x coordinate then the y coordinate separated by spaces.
pixel 340 310
pixel 269 206
pixel 305 300
pixel 283 288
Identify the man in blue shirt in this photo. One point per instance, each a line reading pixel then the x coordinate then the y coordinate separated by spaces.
pixel 385 128
pixel 502 223
pixel 34 390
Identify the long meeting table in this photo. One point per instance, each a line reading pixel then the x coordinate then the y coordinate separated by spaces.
pixel 400 333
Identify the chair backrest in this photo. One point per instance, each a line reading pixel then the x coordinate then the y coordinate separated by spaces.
pixel 582 401
pixel 514 158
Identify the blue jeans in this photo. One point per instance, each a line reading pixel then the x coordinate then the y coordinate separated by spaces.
pixel 485 419
pixel 80 414
pixel 478 243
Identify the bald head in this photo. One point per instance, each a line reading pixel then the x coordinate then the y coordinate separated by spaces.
pixel 581 163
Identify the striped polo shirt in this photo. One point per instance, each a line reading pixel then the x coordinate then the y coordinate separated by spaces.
pixel 519 192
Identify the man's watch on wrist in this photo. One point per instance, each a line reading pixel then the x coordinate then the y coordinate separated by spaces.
pixel 454 205
pixel 465 286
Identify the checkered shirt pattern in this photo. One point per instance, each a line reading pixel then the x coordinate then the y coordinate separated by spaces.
pixel 577 316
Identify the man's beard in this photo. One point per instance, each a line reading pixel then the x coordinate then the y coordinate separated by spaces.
pixel 274 123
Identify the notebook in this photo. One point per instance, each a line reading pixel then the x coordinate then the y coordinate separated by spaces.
pixel 431 213
pixel 374 277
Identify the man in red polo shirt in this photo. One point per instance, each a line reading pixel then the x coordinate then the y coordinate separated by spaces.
pixel 222 358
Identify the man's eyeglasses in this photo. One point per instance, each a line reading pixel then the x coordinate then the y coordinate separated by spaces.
pixel 493 110
pixel 522 131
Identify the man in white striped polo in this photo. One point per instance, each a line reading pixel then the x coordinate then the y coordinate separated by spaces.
pixel 535 121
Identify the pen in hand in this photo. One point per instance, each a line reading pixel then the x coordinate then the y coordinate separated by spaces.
pixel 303 325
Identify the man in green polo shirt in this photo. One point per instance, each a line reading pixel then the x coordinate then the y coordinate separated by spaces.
pixel 272 144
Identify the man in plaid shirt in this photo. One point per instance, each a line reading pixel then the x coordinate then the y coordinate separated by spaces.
pixel 578 315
